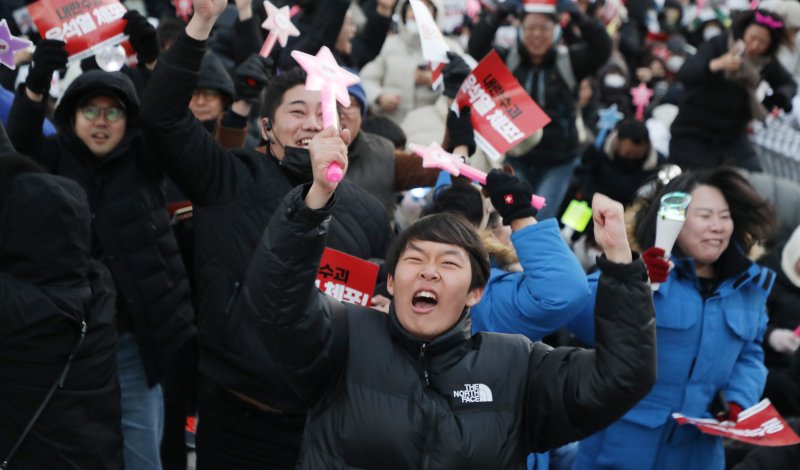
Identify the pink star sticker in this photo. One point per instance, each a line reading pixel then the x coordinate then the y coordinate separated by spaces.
pixel 9 45
pixel 641 98
pixel 280 27
pixel 434 156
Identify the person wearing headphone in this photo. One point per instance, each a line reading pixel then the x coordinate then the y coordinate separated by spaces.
pixel 550 74
pixel 249 417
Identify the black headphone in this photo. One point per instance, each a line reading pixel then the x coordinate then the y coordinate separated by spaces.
pixel 268 125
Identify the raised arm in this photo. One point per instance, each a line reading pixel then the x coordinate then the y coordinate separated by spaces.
pixel 304 330
pixel 28 110
pixel 573 392
pixel 191 156
pixel 594 49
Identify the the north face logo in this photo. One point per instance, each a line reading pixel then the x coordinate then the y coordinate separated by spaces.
pixel 474 393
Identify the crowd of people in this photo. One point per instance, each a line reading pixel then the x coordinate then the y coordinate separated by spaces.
pixel 162 225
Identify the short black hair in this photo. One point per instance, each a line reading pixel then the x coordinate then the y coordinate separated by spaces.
pixel 273 96
pixel 754 218
pixel 168 31
pixel 744 19
pixel 444 228
pixel 633 129
pixel 460 198
pixel 385 127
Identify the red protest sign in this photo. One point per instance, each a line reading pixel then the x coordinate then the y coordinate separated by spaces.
pixel 759 425
pixel 503 114
pixel 85 25
pixel 346 278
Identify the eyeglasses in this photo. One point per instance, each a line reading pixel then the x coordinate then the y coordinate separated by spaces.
pixel 111 113
pixel 541 27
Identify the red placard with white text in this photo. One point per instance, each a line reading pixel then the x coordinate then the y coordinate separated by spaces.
pixel 346 278
pixel 85 25
pixel 503 114
pixel 759 425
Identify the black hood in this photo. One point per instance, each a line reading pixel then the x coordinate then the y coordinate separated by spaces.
pixel 45 231
pixel 214 76
pixel 96 82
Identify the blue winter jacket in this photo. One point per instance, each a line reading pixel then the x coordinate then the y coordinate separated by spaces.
pixel 550 291
pixel 704 346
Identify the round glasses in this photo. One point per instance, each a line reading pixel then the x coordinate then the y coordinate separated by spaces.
pixel 111 113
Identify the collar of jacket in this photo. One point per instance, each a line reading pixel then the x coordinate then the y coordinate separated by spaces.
pixel 449 344
pixel 733 267
pixel 74 143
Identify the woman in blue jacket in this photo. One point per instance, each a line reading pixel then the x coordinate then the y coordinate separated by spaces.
pixel 710 318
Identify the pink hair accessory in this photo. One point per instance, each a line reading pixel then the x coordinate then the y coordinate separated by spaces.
pixel 767 21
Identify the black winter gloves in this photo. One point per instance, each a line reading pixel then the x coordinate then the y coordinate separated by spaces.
pixel 460 130
pixel 454 73
pixel 251 76
pixel 778 100
pixel 48 57
pixel 143 37
pixel 510 196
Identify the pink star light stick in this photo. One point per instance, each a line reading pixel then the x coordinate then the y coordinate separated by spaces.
pixel 434 156
pixel 9 45
pixel 325 76
pixel 641 98
pixel 280 27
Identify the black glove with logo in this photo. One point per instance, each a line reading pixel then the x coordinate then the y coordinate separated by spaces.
pixel 143 37
pixel 48 57
pixel 460 130
pixel 454 73
pixel 510 196
pixel 251 76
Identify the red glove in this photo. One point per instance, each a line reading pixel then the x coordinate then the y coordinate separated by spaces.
pixel 657 266
pixel 733 413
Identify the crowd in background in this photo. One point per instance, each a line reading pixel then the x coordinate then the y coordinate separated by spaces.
pixel 133 205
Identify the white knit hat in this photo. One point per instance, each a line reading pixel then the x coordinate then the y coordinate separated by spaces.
pixel 789 256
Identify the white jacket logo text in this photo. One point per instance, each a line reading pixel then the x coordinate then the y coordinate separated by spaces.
pixel 474 393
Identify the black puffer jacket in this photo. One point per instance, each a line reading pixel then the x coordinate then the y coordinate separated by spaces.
pixel 783 308
pixel 131 227
pixel 49 286
pixel 381 398
pixel 234 194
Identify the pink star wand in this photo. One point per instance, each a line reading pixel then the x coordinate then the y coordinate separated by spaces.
pixel 325 76
pixel 9 45
pixel 280 27
pixel 641 98
pixel 434 156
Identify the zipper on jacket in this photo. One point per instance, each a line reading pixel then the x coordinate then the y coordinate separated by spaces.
pixel 421 356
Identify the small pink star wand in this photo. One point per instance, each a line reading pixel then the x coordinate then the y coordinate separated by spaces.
pixel 325 76
pixel 280 27
pixel 434 156
pixel 641 98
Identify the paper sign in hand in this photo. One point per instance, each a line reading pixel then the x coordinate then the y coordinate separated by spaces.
pixel 434 156
pixel 280 27
pixel 434 47
pixel 9 45
pixel 641 98
pixel 608 119
pixel 325 76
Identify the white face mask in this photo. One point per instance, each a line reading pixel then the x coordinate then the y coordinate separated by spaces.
pixel 674 63
pixel 411 27
pixel 710 32
pixel 614 80
pixel 505 37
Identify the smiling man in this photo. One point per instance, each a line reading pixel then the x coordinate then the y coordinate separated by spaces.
pixel 415 388
pixel 250 419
